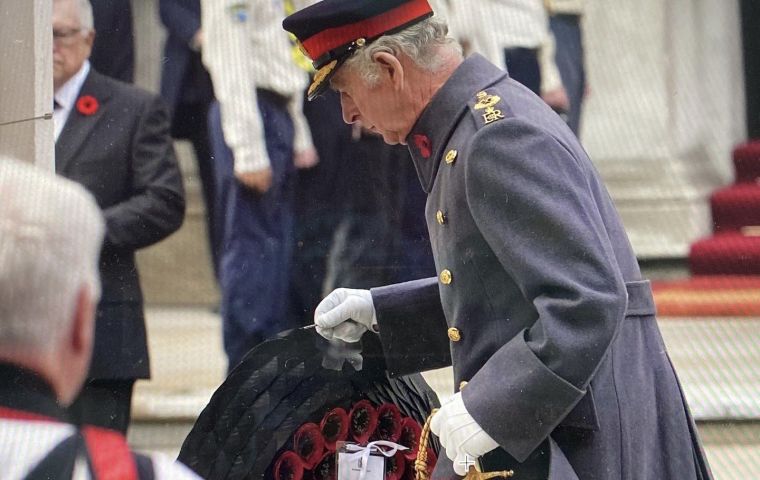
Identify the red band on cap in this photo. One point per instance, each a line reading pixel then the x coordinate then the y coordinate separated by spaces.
pixel 326 40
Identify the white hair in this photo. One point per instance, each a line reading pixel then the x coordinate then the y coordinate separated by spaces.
pixel 84 14
pixel 420 42
pixel 51 232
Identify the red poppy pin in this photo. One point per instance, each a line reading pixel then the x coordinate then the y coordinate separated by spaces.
pixel 87 105
pixel 423 145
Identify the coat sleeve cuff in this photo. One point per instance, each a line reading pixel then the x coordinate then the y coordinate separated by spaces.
pixel 412 326
pixel 519 407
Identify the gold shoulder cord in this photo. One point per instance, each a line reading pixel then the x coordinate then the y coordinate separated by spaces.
pixel 421 466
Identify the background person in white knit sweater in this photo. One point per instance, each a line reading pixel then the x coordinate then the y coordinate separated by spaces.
pixel 259 87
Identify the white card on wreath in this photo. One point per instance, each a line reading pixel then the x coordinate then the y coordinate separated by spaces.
pixel 350 466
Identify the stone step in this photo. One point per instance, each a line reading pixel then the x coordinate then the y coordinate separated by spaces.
pixel 177 271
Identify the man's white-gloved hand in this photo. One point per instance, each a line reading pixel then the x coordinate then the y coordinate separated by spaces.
pixel 460 435
pixel 345 314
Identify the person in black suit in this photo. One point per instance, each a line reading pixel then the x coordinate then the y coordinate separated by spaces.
pixel 113 53
pixel 186 88
pixel 113 138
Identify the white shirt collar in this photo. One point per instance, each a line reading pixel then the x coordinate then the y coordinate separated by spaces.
pixel 69 91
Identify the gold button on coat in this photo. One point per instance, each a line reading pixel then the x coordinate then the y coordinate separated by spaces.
pixel 454 334
pixel 445 277
pixel 462 384
pixel 451 156
pixel 441 217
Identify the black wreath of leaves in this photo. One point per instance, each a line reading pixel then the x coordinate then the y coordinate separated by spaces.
pixel 278 388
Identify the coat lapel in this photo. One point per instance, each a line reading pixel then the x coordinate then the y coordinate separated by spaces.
pixel 79 126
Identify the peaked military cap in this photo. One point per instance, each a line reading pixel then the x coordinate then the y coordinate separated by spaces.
pixel 330 31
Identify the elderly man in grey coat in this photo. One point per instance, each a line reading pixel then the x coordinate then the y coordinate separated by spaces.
pixel 539 303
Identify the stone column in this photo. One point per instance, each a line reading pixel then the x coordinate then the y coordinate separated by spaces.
pixel 664 112
pixel 26 83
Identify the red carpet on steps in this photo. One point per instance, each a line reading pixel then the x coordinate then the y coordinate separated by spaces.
pixel 709 296
pixel 734 249
pixel 735 207
pixel 726 253
pixel 747 162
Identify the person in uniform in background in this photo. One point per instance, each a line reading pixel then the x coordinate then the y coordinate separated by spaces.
pixel 186 88
pixel 565 21
pixel 51 232
pixel 539 303
pixel 259 88
pixel 113 51
pixel 113 138
pixel 515 35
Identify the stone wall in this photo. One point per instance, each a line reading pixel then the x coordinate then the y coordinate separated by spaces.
pixel 665 109
pixel 26 94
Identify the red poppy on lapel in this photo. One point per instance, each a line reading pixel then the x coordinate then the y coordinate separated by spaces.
pixel 87 105
pixel 422 142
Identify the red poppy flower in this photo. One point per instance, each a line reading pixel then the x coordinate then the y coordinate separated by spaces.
pixel 410 437
pixel 288 467
pixel 422 142
pixel 395 466
pixel 363 421
pixel 326 469
pixel 388 423
pixel 309 444
pixel 334 428
pixel 87 105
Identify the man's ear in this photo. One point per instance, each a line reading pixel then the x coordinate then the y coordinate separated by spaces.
pixel 391 65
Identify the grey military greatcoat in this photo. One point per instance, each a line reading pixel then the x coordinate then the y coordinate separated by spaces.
pixel 539 303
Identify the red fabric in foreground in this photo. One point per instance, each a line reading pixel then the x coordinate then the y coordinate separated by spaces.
pixel 13 414
pixel 110 455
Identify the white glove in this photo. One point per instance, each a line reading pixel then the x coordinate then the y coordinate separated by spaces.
pixel 345 314
pixel 460 435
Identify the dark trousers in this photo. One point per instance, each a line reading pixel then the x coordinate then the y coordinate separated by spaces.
pixel 191 123
pixel 257 236
pixel 569 58
pixel 104 403
pixel 522 66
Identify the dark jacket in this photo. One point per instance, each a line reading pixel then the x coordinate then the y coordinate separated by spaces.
pixel 123 154
pixel 539 303
pixel 113 52
pixel 184 79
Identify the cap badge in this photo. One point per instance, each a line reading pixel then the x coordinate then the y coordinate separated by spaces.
pixel 488 103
